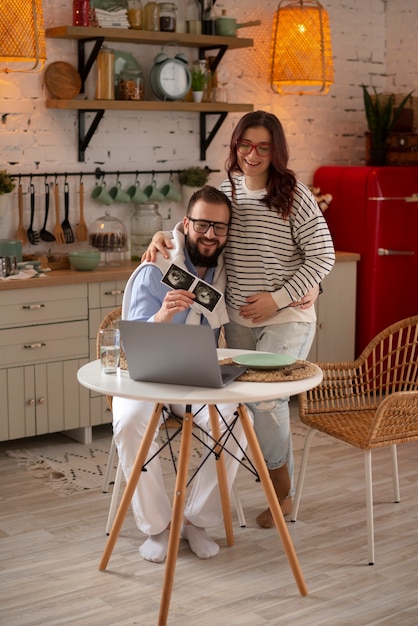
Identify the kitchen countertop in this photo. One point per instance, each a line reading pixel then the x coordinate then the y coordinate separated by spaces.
pixel 102 274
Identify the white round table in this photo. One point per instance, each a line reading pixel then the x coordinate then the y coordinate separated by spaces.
pixel 120 384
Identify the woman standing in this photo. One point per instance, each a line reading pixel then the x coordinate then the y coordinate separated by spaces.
pixel 279 249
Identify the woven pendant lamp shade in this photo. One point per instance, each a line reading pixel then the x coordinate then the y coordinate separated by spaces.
pixel 301 52
pixel 22 34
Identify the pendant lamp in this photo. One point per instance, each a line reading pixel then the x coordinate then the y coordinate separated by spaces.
pixel 22 35
pixel 301 52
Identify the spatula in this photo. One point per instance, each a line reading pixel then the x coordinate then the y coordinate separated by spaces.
pixel 66 226
pixel 21 230
pixel 81 231
pixel 45 234
pixel 58 232
pixel 33 235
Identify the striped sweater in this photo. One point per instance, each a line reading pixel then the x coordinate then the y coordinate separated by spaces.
pixel 264 252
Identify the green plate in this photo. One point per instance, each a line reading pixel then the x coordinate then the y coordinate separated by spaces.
pixel 264 361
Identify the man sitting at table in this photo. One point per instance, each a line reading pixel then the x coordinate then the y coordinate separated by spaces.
pixel 147 298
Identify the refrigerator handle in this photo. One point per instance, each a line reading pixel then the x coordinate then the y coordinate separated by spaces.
pixel 386 252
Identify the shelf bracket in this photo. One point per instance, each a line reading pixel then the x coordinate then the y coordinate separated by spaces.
pixel 83 136
pixel 206 140
pixel 84 66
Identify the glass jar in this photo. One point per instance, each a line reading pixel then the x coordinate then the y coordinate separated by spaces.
pixel 105 85
pixel 130 84
pixel 81 11
pixel 108 234
pixel 145 221
pixel 152 16
pixel 168 22
pixel 193 17
pixel 135 14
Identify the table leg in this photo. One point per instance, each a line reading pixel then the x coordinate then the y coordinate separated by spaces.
pixel 272 499
pixel 177 515
pixel 222 480
pixel 131 485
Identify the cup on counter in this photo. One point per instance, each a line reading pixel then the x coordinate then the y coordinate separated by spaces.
pixel 136 194
pixel 170 192
pixel 101 194
pixel 118 195
pixel 109 350
pixel 153 194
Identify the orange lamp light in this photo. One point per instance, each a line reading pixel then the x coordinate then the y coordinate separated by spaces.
pixel 301 51
pixel 22 34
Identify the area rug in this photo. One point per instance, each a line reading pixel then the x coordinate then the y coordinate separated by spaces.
pixel 69 467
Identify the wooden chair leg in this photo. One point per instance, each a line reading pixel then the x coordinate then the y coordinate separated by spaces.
pixel 272 499
pixel 177 516
pixel 131 485
pixel 369 504
pixel 395 473
pixel 114 500
pixel 301 476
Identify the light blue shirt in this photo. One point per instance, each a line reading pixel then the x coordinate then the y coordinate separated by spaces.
pixel 148 293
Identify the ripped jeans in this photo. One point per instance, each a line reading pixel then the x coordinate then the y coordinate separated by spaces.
pixel 271 418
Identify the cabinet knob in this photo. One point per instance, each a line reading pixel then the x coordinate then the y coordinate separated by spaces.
pixel 31 402
pixel 41 401
pixel 34 346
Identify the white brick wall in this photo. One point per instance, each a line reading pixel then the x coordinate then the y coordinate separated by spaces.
pixel 374 42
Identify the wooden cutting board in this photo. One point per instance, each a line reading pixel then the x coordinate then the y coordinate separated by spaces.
pixel 62 80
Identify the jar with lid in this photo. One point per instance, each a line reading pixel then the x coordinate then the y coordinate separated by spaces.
pixel 168 22
pixel 145 222
pixel 193 17
pixel 130 84
pixel 105 85
pixel 135 14
pixel 152 16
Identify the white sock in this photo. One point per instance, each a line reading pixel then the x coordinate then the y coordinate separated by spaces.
pixel 155 547
pixel 200 543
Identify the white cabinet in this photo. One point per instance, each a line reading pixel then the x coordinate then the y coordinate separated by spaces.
pixel 43 340
pixel 46 334
pixel 336 313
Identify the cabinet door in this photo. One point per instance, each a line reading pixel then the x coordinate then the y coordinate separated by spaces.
pixel 336 309
pixel 19 398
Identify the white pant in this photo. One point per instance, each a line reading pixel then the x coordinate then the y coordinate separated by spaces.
pixel 150 503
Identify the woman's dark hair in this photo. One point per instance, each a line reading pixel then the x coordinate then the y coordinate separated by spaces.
pixel 281 181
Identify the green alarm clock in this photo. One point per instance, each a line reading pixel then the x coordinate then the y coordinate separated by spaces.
pixel 170 79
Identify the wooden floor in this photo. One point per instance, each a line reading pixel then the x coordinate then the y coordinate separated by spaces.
pixel 50 549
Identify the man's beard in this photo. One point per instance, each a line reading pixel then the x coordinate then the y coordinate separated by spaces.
pixel 201 260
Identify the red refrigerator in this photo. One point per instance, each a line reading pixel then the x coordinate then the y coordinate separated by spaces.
pixel 374 211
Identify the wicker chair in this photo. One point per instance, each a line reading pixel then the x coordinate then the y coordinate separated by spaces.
pixel 170 424
pixel 368 403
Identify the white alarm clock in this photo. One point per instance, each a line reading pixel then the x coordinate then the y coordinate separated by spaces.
pixel 170 79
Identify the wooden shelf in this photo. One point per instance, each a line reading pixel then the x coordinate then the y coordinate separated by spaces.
pixel 148 105
pixel 98 36
pixel 126 35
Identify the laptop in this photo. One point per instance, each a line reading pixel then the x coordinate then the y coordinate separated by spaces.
pixel 178 354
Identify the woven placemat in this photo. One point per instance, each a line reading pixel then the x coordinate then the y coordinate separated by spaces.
pixel 297 371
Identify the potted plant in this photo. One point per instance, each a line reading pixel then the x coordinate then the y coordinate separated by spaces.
pixel 381 116
pixel 191 179
pixel 200 77
pixel 7 183
pixel 194 176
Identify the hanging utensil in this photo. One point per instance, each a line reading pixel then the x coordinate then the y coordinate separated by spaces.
pixel 21 230
pixel 81 230
pixel 68 232
pixel 58 232
pixel 45 234
pixel 33 235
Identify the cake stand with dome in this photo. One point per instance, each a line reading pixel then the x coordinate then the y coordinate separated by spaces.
pixel 108 234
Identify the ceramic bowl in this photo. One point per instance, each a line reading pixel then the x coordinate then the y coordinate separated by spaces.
pixel 84 260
